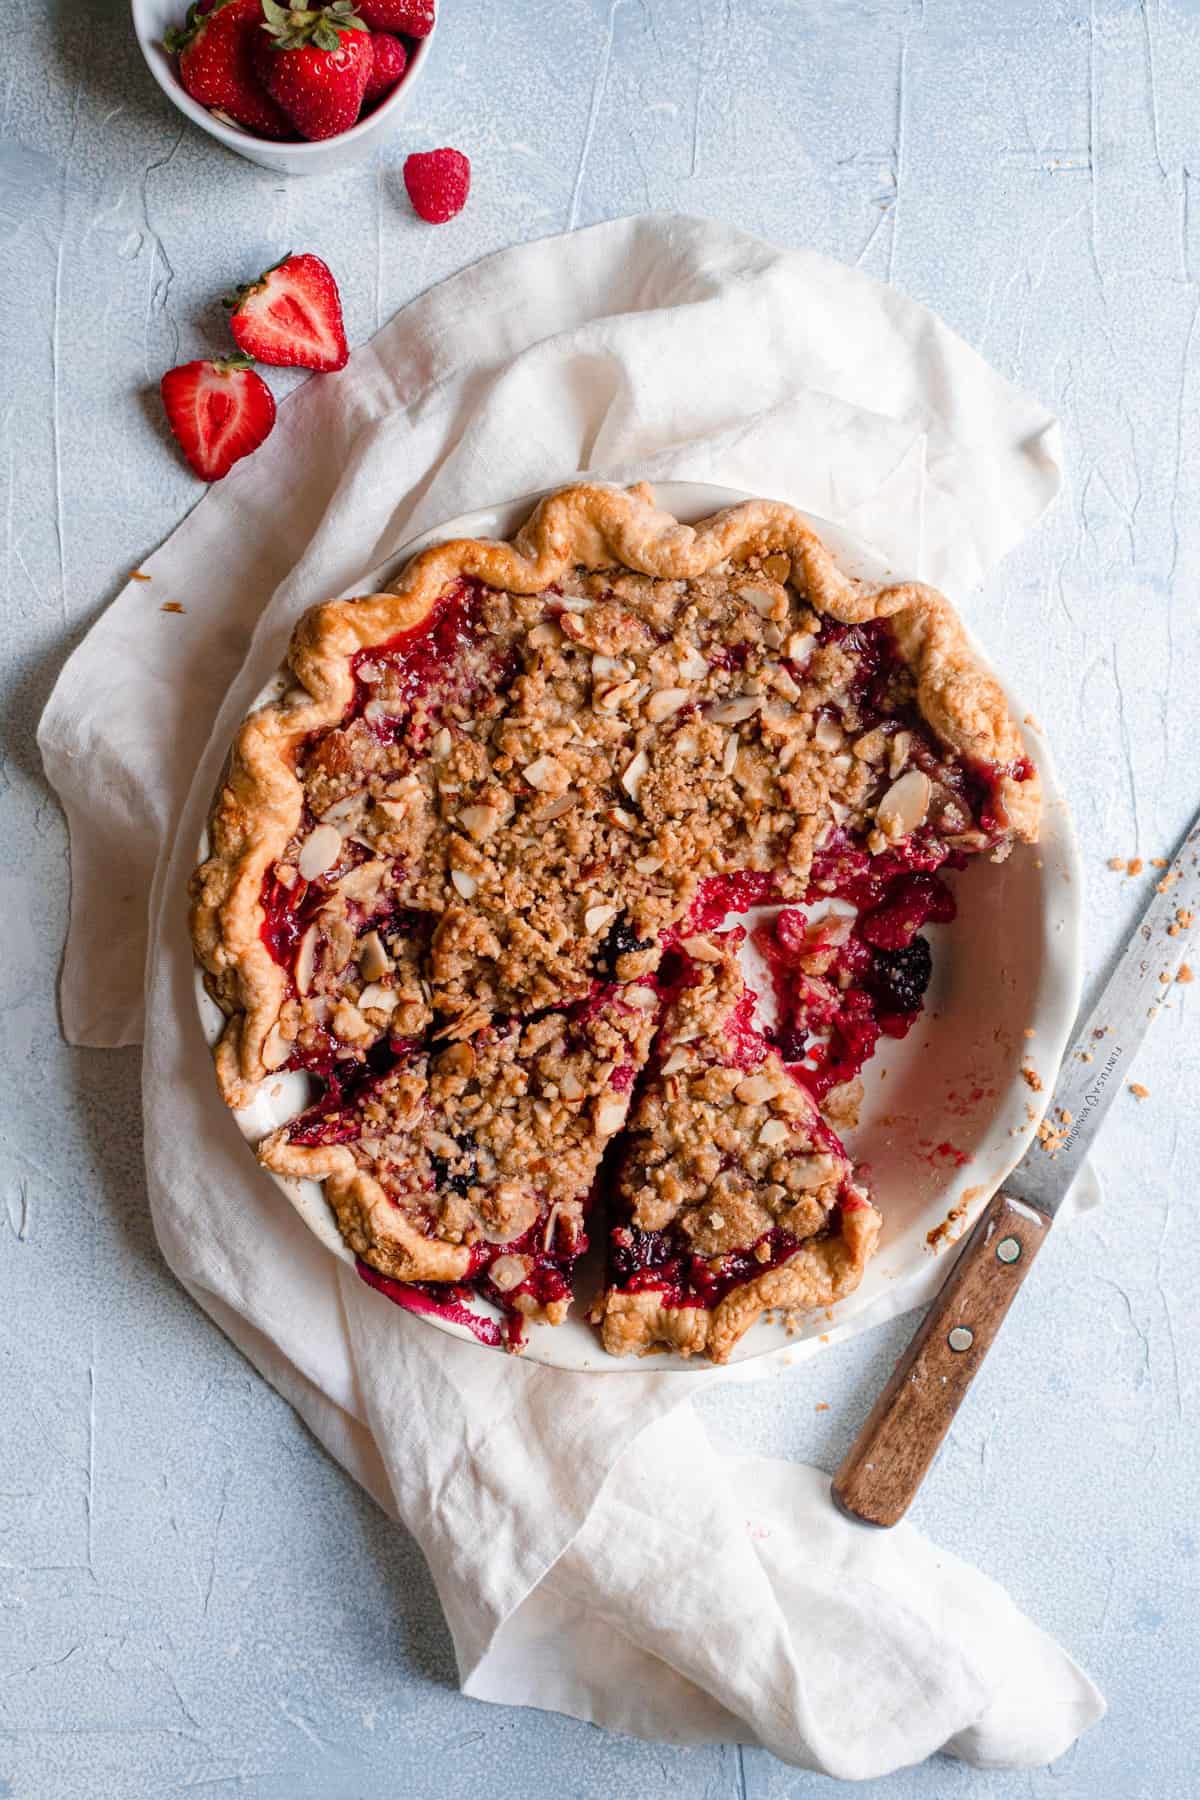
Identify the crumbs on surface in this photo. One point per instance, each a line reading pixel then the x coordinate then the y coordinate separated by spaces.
pixel 1086 1056
pixel 821 1406
pixel 1184 920
pixel 1138 1091
pixel 950 1228
pixel 171 606
pixel 1031 1078
pixel 139 575
pixel 1168 881
pixel 1159 862
pixel 1185 974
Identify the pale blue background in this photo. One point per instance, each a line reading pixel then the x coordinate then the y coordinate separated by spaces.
pixel 193 1599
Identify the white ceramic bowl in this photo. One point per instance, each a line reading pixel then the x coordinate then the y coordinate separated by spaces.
pixel 947 1112
pixel 152 19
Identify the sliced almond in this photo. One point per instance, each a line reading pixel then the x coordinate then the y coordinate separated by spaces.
pixel 597 917
pixel 306 959
pixel 348 1023
pixel 508 1272
pixel 609 665
pixel 554 809
pixel 663 703
pixel 547 775
pixel 342 809
pixel 572 628
pixel 617 815
pixel 373 958
pixel 319 851
pixel 733 745
pixel 546 636
pixel 570 1086
pixel 828 734
pixel 905 804
pixel 773 1132
pixel 466 884
pixel 768 603
pixel 872 746
pixel 648 865
pixel 678 1059
pixel 752 1089
pixel 377 998
pixel 692 665
pixel 901 745
pixel 479 822
pixel 800 647
pixel 644 998
pixel 701 949
pixel 610 1114
pixel 811 1172
pixel 635 773
pixel 276 1049
pixel 441 745
pixel 778 567
pixel 774 636
pixel 783 684
pixel 575 603
pixel 622 693
pixel 733 712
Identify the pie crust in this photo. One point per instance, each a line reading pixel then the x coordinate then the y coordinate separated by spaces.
pixel 493 800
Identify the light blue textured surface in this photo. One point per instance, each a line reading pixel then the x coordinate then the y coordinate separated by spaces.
pixel 192 1597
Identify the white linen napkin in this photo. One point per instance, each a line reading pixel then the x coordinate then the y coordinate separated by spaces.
pixel 592 1552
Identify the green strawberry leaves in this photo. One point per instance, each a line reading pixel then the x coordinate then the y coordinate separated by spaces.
pixel 301 27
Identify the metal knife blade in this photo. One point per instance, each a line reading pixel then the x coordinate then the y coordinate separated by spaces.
pixel 1094 1068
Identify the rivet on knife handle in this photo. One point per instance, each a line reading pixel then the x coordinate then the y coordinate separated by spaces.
pixel 888 1460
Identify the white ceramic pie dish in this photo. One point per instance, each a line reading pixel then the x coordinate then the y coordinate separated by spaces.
pixel 947 1111
pixel 152 19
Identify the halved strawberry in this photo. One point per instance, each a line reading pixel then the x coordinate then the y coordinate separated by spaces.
pixel 215 47
pixel 219 411
pixel 292 315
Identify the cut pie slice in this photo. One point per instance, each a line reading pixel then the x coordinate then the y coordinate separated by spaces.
pixel 524 776
pixel 732 1195
pixel 472 1163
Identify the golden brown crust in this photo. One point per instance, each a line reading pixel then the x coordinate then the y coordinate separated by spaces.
pixel 819 1274
pixel 588 525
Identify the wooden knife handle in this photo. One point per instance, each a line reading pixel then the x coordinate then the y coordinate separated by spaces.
pixel 890 1457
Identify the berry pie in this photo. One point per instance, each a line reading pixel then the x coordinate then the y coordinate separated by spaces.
pixel 478 873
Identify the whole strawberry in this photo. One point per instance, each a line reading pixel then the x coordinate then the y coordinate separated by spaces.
pixel 219 411
pixel 215 47
pixel 415 18
pixel 389 59
pixel 316 62
pixel 292 315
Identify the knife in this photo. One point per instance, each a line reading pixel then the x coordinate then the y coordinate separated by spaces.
pixel 890 1457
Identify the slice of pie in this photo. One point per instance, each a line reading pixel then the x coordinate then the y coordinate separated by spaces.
pixel 732 1194
pixel 495 799
pixel 473 1161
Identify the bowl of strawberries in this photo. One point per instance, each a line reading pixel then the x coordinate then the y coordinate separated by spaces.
pixel 302 87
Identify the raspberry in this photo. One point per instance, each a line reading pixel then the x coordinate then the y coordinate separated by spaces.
pixel 899 978
pixel 438 182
